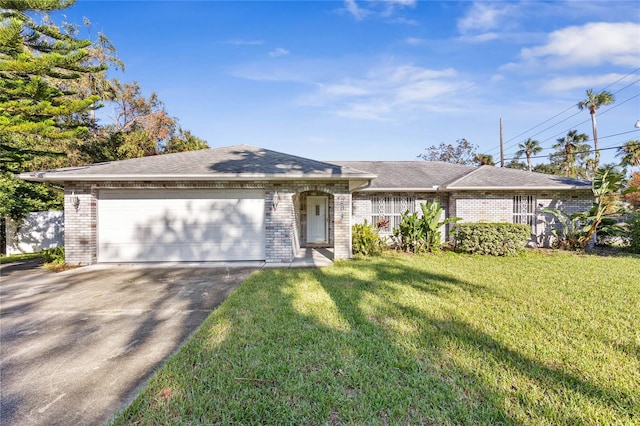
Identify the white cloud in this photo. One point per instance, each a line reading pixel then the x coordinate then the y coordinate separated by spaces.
pixel 591 44
pixel 356 11
pixel 479 38
pixel 384 8
pixel 567 83
pixel 279 51
pixel 484 17
pixel 388 91
pixel 240 42
pixel 414 41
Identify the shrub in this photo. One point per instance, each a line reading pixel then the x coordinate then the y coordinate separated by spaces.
pixel 54 260
pixel 418 233
pixel 497 239
pixel 366 240
pixel 54 255
pixel 633 226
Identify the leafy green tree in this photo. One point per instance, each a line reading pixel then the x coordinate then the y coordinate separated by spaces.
pixel 185 141
pixel 528 148
pixel 515 164
pixel 572 151
pixel 592 103
pixel 464 152
pixel 630 153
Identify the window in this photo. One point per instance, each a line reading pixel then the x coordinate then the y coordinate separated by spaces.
pixel 524 210
pixel 386 212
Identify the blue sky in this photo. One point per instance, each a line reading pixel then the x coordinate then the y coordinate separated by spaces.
pixel 379 80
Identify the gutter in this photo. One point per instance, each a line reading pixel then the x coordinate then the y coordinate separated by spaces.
pixel 45 177
pixel 515 188
pixel 434 188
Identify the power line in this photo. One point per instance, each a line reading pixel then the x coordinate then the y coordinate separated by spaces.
pixel 589 119
pixel 583 122
pixel 573 106
pixel 590 150
pixel 577 113
pixel 568 109
pixel 585 151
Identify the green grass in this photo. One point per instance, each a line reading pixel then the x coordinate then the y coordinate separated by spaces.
pixel 541 338
pixel 19 257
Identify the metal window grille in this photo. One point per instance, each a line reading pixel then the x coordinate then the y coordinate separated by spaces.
pixel 386 212
pixel 524 210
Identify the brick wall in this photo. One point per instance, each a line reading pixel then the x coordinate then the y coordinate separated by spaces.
pixel 283 223
pixel 497 206
pixel 487 206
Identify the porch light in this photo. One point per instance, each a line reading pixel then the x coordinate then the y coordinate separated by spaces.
pixel 637 124
pixel 75 201
pixel 276 199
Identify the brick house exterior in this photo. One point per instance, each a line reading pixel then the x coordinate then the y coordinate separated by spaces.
pixel 348 192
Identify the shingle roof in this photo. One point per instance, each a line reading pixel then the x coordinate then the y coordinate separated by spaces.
pixel 421 175
pixel 233 162
pixel 490 177
pixel 434 175
pixel 245 162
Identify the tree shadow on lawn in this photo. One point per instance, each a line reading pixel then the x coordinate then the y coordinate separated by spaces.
pixel 346 345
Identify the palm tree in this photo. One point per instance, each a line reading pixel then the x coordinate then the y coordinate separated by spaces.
pixel 592 103
pixel 570 149
pixel 528 148
pixel 630 153
pixel 485 160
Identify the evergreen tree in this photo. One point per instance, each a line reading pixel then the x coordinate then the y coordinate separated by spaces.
pixel 39 110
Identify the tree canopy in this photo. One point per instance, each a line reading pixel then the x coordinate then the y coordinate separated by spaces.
pixel 51 83
pixel 464 152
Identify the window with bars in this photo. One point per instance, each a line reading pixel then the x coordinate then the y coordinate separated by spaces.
pixel 386 212
pixel 524 210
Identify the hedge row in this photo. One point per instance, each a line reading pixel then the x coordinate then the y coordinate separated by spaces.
pixel 497 239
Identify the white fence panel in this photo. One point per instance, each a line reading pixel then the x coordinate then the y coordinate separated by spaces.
pixel 38 231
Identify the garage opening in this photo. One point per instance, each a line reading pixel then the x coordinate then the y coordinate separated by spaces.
pixel 180 225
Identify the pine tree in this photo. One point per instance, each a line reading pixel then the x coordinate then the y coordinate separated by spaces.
pixel 39 109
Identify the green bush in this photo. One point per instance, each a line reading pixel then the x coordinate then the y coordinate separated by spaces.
pixel 497 239
pixel 366 240
pixel 54 256
pixel 421 233
pixel 633 227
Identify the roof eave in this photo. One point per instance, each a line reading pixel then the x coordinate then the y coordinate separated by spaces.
pixel 431 189
pixel 44 177
pixel 515 188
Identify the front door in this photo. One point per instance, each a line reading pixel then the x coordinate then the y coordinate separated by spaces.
pixel 317 219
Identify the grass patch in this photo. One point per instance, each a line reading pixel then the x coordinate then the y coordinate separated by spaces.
pixel 539 338
pixel 19 257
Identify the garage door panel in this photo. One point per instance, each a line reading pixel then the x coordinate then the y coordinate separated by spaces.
pixel 188 225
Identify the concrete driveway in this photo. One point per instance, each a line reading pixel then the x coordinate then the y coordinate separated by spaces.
pixel 76 346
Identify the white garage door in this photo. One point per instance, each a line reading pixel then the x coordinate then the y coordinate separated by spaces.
pixel 158 225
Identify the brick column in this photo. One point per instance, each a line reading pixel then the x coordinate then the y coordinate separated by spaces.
pixel 342 223
pixel 279 223
pixel 80 233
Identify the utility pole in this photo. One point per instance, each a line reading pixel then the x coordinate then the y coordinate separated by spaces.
pixel 501 145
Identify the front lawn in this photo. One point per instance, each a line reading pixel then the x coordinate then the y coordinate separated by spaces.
pixel 541 338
